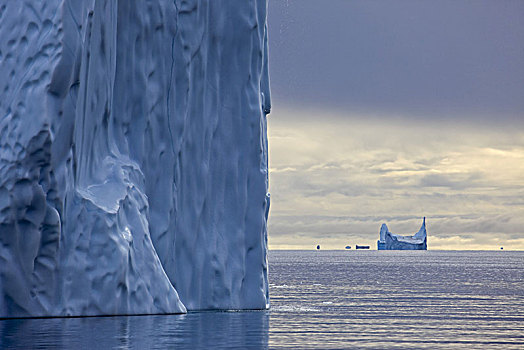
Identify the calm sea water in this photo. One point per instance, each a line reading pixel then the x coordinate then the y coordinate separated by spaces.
pixel 330 299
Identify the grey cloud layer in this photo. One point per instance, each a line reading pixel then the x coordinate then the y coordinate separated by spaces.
pixel 443 59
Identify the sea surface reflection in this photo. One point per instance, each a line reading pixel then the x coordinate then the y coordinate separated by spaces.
pixel 198 330
pixel 329 299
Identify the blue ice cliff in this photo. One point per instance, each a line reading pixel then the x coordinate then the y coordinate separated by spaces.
pixel 391 241
pixel 133 156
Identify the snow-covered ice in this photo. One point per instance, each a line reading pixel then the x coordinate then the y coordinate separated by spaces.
pixel 391 241
pixel 133 156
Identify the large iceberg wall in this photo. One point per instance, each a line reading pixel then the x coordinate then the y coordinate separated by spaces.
pixel 133 156
pixel 391 241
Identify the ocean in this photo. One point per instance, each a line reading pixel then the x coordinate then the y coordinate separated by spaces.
pixel 329 300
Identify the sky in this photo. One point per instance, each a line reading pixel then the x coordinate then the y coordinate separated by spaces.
pixel 388 111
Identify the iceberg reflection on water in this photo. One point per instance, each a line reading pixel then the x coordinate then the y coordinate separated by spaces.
pixel 195 330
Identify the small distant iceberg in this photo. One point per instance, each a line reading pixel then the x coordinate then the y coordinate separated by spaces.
pixel 391 241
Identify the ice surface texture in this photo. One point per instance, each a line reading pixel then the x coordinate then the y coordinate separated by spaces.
pixel 133 156
pixel 391 241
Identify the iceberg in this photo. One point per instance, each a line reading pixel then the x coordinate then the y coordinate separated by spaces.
pixel 133 157
pixel 391 241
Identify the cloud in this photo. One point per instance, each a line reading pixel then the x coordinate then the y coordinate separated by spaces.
pixel 340 177
pixel 447 60
pixel 457 181
pixel 383 114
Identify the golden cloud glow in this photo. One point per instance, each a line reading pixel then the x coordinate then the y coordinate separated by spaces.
pixel 466 179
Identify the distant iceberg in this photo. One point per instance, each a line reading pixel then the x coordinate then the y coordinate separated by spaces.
pixel 391 241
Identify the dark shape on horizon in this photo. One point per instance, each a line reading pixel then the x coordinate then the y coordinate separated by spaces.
pixel 348 247
pixel 318 246
pixel 361 247
pixel 501 248
pixel 391 241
